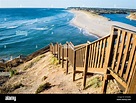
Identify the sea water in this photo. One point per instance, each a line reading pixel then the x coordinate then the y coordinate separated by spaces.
pixel 120 18
pixel 26 30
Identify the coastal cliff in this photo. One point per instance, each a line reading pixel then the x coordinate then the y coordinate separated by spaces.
pixel 132 16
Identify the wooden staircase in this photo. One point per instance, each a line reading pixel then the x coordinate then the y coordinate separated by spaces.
pixel 111 56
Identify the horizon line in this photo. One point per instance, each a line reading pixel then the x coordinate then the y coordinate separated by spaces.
pixel 67 7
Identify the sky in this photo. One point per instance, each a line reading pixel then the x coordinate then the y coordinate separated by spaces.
pixel 68 3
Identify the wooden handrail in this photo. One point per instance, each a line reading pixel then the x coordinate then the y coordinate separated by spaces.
pixel 71 46
pixel 80 48
pixel 122 28
pixel 113 55
pixel 100 39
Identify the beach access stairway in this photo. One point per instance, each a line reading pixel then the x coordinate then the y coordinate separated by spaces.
pixel 113 56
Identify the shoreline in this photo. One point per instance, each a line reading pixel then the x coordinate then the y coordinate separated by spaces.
pixel 95 24
pixel 80 28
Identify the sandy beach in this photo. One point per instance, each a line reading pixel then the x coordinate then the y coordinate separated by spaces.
pixel 95 24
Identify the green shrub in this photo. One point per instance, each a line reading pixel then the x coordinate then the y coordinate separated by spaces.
pixel 54 61
pixel 12 72
pixel 42 87
pixel 95 82
pixel 11 88
pixel 17 85
pixel 36 59
pixel 28 66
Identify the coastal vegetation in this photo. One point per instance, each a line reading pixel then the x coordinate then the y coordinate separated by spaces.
pixel 13 72
pixel 104 10
pixel 42 87
pixel 10 88
pixel 54 61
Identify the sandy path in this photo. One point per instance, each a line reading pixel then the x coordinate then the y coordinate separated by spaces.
pixel 95 24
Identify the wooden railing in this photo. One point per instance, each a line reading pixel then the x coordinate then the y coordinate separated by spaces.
pixel 113 55
pixel 122 57
pixel 95 57
pixel 97 53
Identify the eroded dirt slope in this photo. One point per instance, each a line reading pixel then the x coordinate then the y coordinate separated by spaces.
pixel 44 75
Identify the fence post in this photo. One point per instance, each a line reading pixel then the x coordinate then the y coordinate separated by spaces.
pixel 85 65
pixel 74 64
pixel 51 47
pixel 57 49
pixel 59 52
pixel 62 56
pixel 67 58
pixel 107 58
pixel 131 88
pixel 54 49
pixel 131 85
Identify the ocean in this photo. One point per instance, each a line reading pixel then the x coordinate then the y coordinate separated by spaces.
pixel 25 30
pixel 120 18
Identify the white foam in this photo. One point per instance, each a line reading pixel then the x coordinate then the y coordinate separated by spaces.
pixel 5 19
pixel 85 32
pixel 52 32
pixel 52 25
pixel 12 27
pixel 45 28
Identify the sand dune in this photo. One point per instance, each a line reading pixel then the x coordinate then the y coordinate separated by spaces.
pixel 132 16
pixel 95 24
